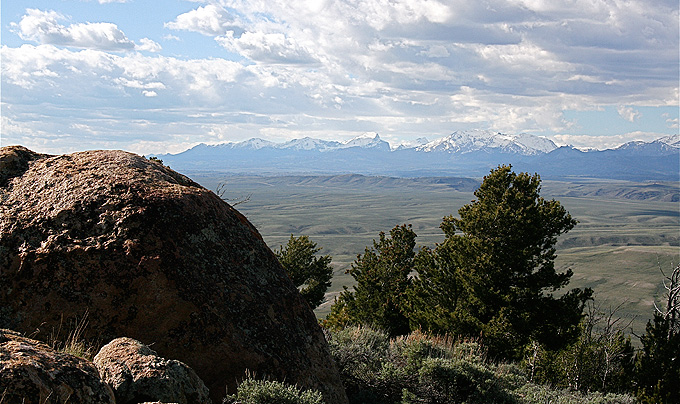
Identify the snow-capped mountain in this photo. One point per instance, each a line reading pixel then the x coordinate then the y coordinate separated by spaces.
pixel 458 142
pixel 664 145
pixel 254 143
pixel 672 140
pixel 462 153
pixel 308 143
pixel 487 141
pixel 410 144
pixel 366 141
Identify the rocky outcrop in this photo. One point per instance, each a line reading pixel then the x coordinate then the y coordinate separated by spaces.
pixel 136 373
pixel 33 373
pixel 155 257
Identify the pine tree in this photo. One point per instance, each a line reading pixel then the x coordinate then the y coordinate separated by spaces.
pixel 310 273
pixel 382 276
pixel 657 367
pixel 494 275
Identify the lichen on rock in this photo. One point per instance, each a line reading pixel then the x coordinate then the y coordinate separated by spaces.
pixel 33 373
pixel 136 373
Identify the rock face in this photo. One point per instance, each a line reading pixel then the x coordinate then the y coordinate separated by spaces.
pixel 136 373
pixel 156 257
pixel 33 373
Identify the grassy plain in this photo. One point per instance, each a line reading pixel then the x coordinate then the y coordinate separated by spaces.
pixel 617 249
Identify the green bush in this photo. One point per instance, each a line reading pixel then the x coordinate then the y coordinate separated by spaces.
pixel 536 394
pixel 362 355
pixel 413 369
pixel 458 381
pixel 422 369
pixel 252 391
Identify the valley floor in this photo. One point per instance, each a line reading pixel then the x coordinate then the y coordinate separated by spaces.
pixel 618 248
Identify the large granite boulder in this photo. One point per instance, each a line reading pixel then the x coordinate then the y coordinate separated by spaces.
pixel 156 257
pixel 136 374
pixel 33 373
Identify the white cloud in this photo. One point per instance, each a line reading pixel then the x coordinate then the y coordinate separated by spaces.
pixel 398 67
pixel 43 27
pixel 436 51
pixel 628 113
pixel 272 48
pixel 209 20
pixel 146 44
pixel 672 123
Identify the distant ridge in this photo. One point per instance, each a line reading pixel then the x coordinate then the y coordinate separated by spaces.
pixel 480 140
pixel 462 153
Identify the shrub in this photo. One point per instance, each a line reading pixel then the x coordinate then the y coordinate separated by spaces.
pixel 252 391
pixel 458 381
pixel 422 369
pixel 536 394
pixel 413 369
pixel 361 354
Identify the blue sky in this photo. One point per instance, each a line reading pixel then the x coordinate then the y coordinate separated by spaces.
pixel 155 77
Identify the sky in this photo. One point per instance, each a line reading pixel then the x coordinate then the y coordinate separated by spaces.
pixel 156 77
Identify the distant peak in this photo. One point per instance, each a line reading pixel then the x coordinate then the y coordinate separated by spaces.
pixel 366 136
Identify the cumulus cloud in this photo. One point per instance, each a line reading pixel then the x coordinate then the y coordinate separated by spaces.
pixel 210 20
pixel 398 67
pixel 673 123
pixel 628 113
pixel 272 48
pixel 44 27
pixel 146 44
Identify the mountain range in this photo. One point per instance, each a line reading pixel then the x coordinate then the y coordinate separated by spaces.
pixel 462 153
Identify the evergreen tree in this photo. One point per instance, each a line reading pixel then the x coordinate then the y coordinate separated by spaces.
pixel 657 367
pixel 496 279
pixel 310 273
pixel 382 276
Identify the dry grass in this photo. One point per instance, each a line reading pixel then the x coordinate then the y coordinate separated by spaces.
pixel 69 339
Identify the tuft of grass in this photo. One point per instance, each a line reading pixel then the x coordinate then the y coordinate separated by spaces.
pixel 74 343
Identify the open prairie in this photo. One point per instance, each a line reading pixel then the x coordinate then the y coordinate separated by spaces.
pixel 618 248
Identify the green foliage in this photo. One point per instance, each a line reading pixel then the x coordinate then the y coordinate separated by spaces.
pixel 310 273
pixel 540 394
pixel 657 367
pixel 496 279
pixel 360 353
pixel 423 369
pixel 382 276
pixel 252 391
pixel 413 369
pixel 600 359
pixel 156 159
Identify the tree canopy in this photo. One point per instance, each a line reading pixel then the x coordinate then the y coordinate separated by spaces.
pixel 494 275
pixel 382 276
pixel 310 273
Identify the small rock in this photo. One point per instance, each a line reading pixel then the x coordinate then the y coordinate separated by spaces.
pixel 32 372
pixel 137 374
